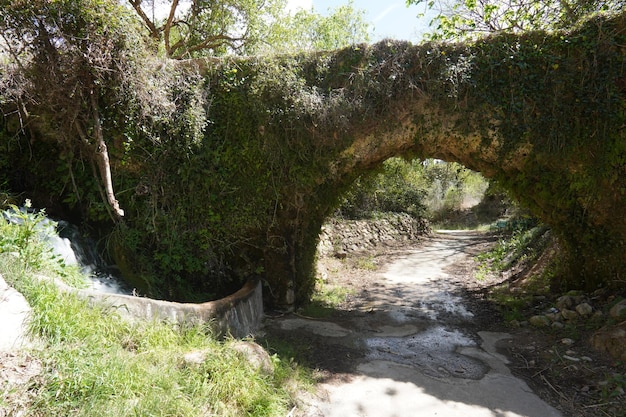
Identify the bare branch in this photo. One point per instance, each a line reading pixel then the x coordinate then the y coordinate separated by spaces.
pixel 102 159
pixel 209 43
pixel 154 31
pixel 168 27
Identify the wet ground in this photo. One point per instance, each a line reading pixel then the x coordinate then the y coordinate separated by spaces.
pixel 410 342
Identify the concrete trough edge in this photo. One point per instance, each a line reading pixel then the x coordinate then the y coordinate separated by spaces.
pixel 238 315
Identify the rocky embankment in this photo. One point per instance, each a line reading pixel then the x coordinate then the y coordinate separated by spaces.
pixel 580 310
pixel 340 237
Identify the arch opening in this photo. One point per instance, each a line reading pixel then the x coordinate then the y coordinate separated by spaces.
pixel 430 189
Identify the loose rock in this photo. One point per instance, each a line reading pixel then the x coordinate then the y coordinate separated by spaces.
pixel 618 311
pixel 255 355
pixel 14 313
pixel 194 358
pixel 611 339
pixel 569 314
pixel 539 321
pixel 584 309
pixel 564 302
pixel 552 316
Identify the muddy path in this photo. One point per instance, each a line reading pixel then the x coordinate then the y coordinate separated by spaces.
pixel 410 341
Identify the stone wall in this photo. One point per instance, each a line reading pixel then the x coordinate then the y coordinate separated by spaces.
pixel 339 237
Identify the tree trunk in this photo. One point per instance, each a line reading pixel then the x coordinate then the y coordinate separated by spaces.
pixel 102 160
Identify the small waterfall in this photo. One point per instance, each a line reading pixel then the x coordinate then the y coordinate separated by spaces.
pixel 104 277
pixel 239 315
pixel 67 243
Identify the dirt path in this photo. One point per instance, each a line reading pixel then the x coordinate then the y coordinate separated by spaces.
pixel 410 343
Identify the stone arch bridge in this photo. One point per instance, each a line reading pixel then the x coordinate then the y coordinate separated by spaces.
pixel 541 113
pixel 283 137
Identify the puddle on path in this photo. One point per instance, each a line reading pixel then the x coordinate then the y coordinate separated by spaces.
pixel 417 356
pixel 432 352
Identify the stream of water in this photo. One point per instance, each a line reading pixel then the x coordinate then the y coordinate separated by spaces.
pixel 77 249
pixel 74 248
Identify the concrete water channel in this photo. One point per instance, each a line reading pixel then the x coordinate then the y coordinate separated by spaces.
pixel 411 347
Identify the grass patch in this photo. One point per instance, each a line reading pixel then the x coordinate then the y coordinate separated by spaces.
pixel 511 305
pixel 613 387
pixel 514 303
pixel 518 246
pixel 325 300
pixel 97 364
pixel 512 248
pixel 367 263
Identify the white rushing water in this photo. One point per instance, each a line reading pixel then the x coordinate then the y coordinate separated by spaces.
pixel 73 248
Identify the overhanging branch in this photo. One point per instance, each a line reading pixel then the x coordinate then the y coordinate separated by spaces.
pixel 102 159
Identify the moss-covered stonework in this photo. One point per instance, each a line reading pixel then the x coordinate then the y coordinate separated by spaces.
pixel 542 113
pixel 240 178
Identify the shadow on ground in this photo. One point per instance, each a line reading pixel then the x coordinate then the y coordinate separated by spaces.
pixel 409 341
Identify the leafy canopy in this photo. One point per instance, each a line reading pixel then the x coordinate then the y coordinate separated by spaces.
pixel 307 30
pixel 184 29
pixel 210 27
pixel 470 19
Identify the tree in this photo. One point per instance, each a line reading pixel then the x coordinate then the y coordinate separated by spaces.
pixel 469 19
pixel 307 30
pixel 398 186
pixel 207 27
pixel 66 59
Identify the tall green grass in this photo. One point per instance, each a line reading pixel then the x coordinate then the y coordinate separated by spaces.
pixel 514 247
pixel 520 246
pixel 97 364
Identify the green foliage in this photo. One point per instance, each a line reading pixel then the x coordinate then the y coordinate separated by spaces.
pixel 514 247
pixel 230 170
pixel 613 387
pixel 209 27
pixel 66 84
pixel 325 300
pixel 511 305
pixel 471 19
pixel 81 44
pixel 23 238
pixel 421 188
pixel 367 263
pixel 451 186
pixel 249 27
pixel 307 30
pixel 398 187
pixel 520 246
pixel 97 364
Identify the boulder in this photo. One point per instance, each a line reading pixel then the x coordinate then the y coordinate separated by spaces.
pixel 539 321
pixel 553 316
pixel 611 340
pixel 584 309
pixel 618 311
pixel 569 314
pixel 14 314
pixel 256 356
pixel 564 302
